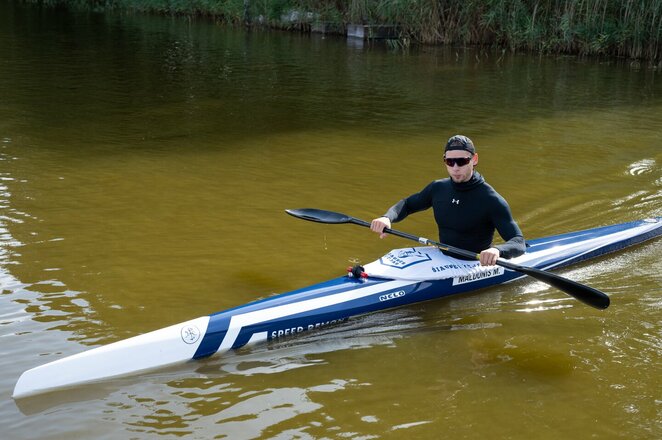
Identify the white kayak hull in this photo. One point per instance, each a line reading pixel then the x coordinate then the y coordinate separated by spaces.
pixel 393 285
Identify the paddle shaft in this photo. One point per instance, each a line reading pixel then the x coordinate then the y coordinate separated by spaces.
pixel 445 247
pixel 422 240
pixel 586 294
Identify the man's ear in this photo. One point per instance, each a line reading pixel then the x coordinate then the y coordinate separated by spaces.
pixel 475 159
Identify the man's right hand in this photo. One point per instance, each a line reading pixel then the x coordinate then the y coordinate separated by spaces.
pixel 379 224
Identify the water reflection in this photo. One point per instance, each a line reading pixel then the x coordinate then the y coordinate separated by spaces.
pixel 642 166
pixel 230 390
pixel 537 305
pixel 46 300
pixel 522 353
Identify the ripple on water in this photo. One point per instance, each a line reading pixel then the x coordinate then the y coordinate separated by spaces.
pixel 643 166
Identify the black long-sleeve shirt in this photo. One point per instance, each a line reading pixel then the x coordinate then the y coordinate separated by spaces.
pixel 467 215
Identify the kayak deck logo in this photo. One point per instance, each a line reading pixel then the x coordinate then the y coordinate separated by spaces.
pixel 392 295
pixel 403 258
pixel 190 334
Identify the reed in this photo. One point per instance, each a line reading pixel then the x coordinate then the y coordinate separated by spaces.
pixel 628 28
pixel 624 28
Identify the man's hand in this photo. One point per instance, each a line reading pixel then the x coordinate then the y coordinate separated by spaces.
pixel 489 257
pixel 379 224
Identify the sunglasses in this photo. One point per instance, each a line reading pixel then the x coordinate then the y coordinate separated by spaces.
pixel 459 161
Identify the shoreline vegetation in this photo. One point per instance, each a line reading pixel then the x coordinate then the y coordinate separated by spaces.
pixel 629 29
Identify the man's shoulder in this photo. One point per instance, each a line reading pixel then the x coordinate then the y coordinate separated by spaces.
pixel 436 188
pixel 491 194
pixel 441 182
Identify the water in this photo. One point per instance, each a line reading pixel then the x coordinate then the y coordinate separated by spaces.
pixel 145 164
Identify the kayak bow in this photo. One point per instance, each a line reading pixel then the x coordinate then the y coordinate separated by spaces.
pixel 402 277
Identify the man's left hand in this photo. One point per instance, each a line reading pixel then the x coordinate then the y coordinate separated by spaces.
pixel 489 257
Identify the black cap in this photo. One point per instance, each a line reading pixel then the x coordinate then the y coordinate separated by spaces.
pixel 459 142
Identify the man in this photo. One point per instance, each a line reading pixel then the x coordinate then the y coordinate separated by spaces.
pixel 467 209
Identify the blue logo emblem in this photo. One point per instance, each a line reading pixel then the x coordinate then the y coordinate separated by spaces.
pixel 403 258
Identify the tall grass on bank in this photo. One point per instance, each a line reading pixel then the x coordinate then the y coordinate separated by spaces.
pixel 625 28
pixel 629 28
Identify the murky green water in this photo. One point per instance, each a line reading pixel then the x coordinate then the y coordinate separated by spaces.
pixel 145 164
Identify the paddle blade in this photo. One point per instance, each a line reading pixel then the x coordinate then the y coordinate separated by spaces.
pixel 586 294
pixel 319 215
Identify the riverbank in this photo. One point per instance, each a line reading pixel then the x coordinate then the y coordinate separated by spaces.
pixel 626 29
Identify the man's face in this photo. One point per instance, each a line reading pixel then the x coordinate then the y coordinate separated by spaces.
pixel 458 172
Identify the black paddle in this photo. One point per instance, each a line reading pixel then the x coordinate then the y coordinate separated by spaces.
pixel 587 295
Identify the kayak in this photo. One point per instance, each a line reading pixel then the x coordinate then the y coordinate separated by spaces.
pixel 401 277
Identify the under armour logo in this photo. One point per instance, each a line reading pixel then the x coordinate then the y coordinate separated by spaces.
pixel 457 202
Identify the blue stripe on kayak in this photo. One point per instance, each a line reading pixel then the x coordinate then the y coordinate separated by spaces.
pixel 220 322
pixel 613 247
pixel 216 330
pixel 578 236
pixel 575 237
pixel 319 317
